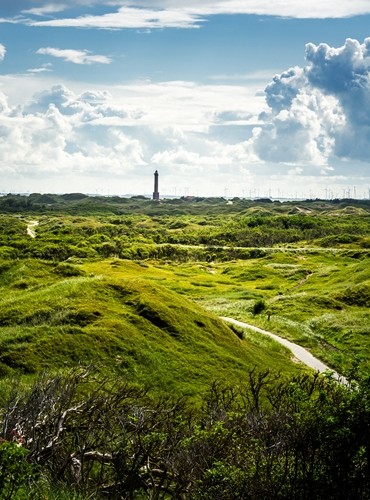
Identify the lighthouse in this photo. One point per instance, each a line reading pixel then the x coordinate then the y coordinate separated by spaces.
pixel 156 192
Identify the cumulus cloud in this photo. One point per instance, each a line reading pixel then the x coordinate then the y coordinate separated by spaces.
pixel 59 95
pixel 75 56
pixel 314 125
pixel 56 134
pixel 119 135
pixel 344 72
pixel 212 154
pixel 319 112
pixel 297 134
pixel 284 88
pixel 92 107
pixel 4 106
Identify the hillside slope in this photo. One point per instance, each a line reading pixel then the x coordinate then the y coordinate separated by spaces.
pixel 56 316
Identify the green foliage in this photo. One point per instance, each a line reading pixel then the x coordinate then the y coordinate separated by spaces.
pixel 84 227
pixel 135 287
pixel 259 306
pixel 357 295
pixel 7 252
pixel 307 262
pixel 16 471
pixel 270 437
pixel 68 270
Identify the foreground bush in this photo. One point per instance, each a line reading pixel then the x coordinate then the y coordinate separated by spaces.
pixel 16 472
pixel 301 438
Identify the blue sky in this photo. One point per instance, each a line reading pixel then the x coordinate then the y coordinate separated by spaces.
pixel 223 97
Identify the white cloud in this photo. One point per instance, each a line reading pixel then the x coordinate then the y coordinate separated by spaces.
pixel 297 134
pixel 42 69
pixel 344 72
pixel 69 137
pixel 54 137
pixel 129 17
pixel 284 88
pixel 285 8
pixel 45 10
pixel 320 112
pixel 59 96
pixel 4 106
pixel 122 134
pixel 210 154
pixel 2 52
pixel 152 14
pixel 74 56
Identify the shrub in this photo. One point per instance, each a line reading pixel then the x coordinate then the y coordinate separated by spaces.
pixel 259 306
pixel 271 438
pixel 15 471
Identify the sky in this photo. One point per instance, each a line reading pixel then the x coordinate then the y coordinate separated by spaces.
pixel 247 98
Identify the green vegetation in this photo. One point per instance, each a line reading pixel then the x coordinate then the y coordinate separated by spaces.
pixel 114 314
pixel 135 288
pixel 271 437
pixel 16 472
pixel 298 270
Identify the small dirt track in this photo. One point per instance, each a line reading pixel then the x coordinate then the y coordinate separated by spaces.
pixel 30 228
pixel 299 352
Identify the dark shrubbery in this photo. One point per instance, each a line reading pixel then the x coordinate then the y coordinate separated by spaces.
pixel 357 295
pixel 259 306
pixel 273 438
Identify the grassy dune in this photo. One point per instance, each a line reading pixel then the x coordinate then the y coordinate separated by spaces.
pixel 135 289
pixel 137 286
pixel 126 322
pixel 321 301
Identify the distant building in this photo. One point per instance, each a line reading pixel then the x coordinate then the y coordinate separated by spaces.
pixel 156 192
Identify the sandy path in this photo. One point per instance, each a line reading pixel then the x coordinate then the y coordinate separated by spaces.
pixel 299 352
pixel 30 228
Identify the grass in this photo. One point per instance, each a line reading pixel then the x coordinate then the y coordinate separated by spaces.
pixel 180 268
pixel 320 301
pixel 119 316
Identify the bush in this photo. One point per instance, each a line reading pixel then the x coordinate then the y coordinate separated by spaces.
pixel 272 438
pixel 15 471
pixel 259 306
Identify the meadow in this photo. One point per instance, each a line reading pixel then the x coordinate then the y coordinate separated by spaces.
pixel 306 265
pixel 134 290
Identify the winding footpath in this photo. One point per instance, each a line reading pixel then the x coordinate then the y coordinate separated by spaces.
pixel 299 352
pixel 30 228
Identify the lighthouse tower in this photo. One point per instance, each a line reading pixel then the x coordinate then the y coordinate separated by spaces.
pixel 156 192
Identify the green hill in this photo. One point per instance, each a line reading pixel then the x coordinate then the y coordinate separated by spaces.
pixel 57 316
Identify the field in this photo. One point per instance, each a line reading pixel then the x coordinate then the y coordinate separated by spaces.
pixel 134 289
pixel 106 271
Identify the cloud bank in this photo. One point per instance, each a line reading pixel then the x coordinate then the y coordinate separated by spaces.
pixel 117 140
pixel 319 112
pixel 158 14
pixel 311 126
